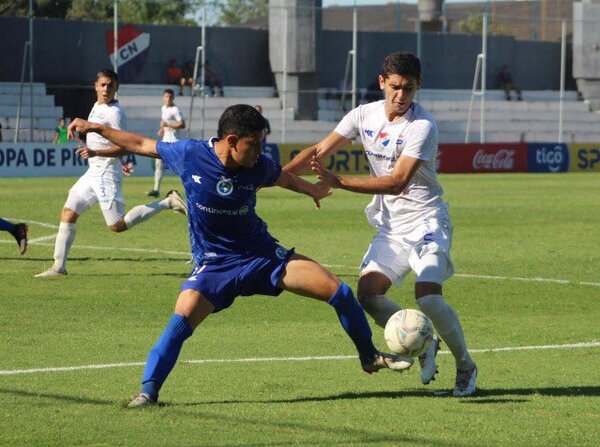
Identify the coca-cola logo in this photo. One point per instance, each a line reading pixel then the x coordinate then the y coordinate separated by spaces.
pixel 502 160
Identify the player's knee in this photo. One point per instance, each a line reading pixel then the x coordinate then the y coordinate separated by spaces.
pixel 68 215
pixel 423 288
pixel 118 227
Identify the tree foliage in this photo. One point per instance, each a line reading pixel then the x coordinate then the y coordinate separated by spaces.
pixel 157 12
pixel 473 24
pixel 233 12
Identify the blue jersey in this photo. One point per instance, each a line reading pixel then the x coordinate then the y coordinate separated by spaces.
pixel 221 201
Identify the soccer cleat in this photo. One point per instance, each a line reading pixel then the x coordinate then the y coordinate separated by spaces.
pixel 20 234
pixel 427 361
pixel 153 193
pixel 465 382
pixel 142 400
pixel 390 361
pixel 176 203
pixel 51 273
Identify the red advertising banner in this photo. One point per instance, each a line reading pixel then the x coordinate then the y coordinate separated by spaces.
pixel 493 157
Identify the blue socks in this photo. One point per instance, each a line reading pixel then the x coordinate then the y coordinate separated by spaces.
pixel 162 357
pixel 354 321
pixel 5 225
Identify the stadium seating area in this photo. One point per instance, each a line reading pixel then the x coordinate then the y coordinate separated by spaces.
pixel 45 113
pixel 533 119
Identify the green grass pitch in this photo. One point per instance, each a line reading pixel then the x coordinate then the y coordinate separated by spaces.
pixel 510 232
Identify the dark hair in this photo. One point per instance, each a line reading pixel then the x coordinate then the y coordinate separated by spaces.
pixel 169 91
pixel 401 63
pixel 241 120
pixel 108 73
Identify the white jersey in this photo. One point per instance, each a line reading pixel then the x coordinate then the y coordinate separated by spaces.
pixel 171 115
pixel 109 115
pixel 416 135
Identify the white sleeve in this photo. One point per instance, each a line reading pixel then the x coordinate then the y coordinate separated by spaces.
pixel 349 126
pixel 423 141
pixel 117 119
pixel 177 114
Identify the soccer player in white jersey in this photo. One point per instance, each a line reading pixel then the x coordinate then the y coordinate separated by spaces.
pixel 414 230
pixel 170 121
pixel 102 181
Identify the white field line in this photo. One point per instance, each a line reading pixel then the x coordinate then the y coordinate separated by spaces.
pixel 499 278
pixel 38 241
pixel 33 222
pixel 589 344
pixel 41 239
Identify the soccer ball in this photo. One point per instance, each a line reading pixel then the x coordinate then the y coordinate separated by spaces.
pixel 408 332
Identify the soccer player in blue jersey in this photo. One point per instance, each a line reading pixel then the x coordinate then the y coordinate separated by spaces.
pixel 236 254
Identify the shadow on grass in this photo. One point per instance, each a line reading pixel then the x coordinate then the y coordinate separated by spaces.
pixel 483 396
pixel 26 258
pixel 62 397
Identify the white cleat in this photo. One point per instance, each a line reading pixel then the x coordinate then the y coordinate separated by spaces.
pixel 465 382
pixel 51 273
pixel 389 361
pixel 176 202
pixel 142 400
pixel 427 361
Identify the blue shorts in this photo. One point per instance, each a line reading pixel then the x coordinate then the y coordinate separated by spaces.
pixel 253 274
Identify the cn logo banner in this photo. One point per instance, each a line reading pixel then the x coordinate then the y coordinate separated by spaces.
pixel 547 157
pixel 493 157
pixel 133 46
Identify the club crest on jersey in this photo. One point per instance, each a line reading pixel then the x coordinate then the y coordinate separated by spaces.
pixel 224 186
pixel 385 138
pixel 280 252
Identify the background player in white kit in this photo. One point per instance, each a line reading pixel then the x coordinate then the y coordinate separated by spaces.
pixel 102 181
pixel 414 231
pixel 170 121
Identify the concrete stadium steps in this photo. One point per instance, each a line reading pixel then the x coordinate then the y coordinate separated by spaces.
pixel 12 99
pixel 39 135
pixel 156 90
pixel 45 113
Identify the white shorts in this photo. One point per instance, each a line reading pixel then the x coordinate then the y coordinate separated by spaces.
pixel 425 250
pixel 104 189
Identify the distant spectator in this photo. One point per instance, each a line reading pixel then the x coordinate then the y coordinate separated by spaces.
pixel 173 73
pixel 506 83
pixel 187 76
pixel 373 92
pixel 60 135
pixel 267 129
pixel 212 80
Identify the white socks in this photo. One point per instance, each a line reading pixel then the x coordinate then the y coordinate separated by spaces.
pixel 447 324
pixel 158 173
pixel 62 245
pixel 379 307
pixel 141 213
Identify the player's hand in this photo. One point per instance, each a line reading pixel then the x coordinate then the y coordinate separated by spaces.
pixel 127 169
pixel 86 152
pixel 320 191
pixel 161 132
pixel 323 174
pixel 77 126
pixel 164 124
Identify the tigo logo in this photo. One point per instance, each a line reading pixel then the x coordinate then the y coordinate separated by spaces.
pixel 547 157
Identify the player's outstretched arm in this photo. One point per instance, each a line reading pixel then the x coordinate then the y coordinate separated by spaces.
pixel 301 162
pixel 128 141
pixel 393 184
pixel 294 183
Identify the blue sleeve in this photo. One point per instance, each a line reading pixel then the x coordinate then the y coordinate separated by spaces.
pixel 173 155
pixel 271 170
